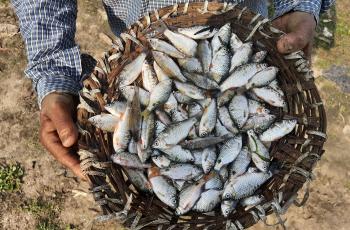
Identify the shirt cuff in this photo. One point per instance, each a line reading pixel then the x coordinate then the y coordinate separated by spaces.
pixel 62 84
pixel 311 7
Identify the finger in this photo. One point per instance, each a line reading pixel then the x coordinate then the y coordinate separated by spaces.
pixel 61 116
pixel 51 141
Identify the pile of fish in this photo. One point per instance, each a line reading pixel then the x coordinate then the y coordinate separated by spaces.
pixel 197 132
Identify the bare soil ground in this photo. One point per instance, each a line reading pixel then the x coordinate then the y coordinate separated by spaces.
pixel 52 198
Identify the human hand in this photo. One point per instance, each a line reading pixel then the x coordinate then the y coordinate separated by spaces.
pixel 58 132
pixel 300 29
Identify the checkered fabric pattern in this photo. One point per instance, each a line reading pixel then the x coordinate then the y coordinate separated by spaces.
pixel 48 28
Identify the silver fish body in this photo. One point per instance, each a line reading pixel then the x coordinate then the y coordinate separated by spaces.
pixel 220 129
pixel 159 95
pixel 194 109
pixel 208 159
pixel 245 185
pixel 227 207
pixel 174 133
pixel 262 78
pixel 171 104
pixel 205 55
pixel 229 151
pixel 105 122
pixel 259 123
pixel 178 115
pixel 179 184
pixel 139 180
pixel 162 188
pixel 149 77
pixel 259 56
pixel 131 71
pixel 122 132
pixel 197 154
pixel 164 47
pixel 241 56
pixel 257 108
pixel 241 76
pixel 208 201
pixel 161 161
pixel 168 66
pixel 270 96
pixel 129 91
pixel 274 85
pixel 183 43
pixel 239 110
pixel 208 120
pixel 184 172
pixel 225 97
pixel 205 142
pixel 220 65
pixel 161 75
pixel 221 38
pixel 240 164
pixel 159 127
pixel 143 154
pixel 190 90
pixel 182 98
pixel 128 160
pixel 226 120
pixel 178 154
pixel 214 183
pixel 116 108
pixel 202 81
pixel 278 130
pixel 191 65
pixel 224 173
pixel 252 200
pixel 198 32
pixel 162 117
pixel 260 154
pixel 132 146
pixel 147 131
pixel 235 43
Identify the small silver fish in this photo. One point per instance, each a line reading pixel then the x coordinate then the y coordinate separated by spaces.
pixel 225 97
pixel 162 117
pixel 190 90
pixel 221 38
pixel 235 43
pixel 190 195
pixel 262 78
pixel 229 151
pixel 214 183
pixel 183 43
pixel 260 154
pixel 131 71
pixel 171 104
pixel 208 159
pixel 259 123
pixel 227 207
pixel 224 173
pixel 128 160
pixel 201 81
pixel 182 98
pixel 178 154
pixel 278 130
pixel 259 57
pixel 239 110
pixel 178 115
pixel 205 55
pixel 164 47
pixel 241 163
pixel 129 91
pixel 105 122
pixel 198 32
pixel 147 131
pixel 220 65
pixel 208 120
pixel 274 84
pixel 173 134
pixel 161 75
pixel 116 108
pixel 139 180
pixel 208 201
pixel 122 132
pixel 168 65
pixel 204 142
pixel 241 76
pixel 225 118
pixel 149 77
pixel 161 161
pixel 252 200
pixel 159 96
pixel 181 172
pixel 241 56
pixel 191 65
pixel 220 130
pixel 270 96
pixel 162 188
pixel 257 108
pixel 245 185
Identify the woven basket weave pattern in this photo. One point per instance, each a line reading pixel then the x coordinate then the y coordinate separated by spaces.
pixel 294 155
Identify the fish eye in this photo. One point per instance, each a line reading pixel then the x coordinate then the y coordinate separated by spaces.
pixel 156 143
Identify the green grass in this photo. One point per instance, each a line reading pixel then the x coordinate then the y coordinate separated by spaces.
pixel 47 224
pixel 11 177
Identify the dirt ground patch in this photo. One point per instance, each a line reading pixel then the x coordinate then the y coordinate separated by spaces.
pixel 52 198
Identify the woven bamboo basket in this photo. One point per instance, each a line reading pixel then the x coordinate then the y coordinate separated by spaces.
pixel 294 156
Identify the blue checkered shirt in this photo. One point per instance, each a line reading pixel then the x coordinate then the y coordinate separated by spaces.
pixel 48 28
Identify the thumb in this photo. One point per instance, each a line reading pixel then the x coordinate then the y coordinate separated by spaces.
pixel 62 119
pixel 291 42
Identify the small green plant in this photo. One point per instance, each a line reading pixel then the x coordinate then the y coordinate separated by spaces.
pixel 11 177
pixel 47 224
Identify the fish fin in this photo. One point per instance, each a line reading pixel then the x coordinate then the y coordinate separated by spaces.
pixel 209 28
pixel 146 113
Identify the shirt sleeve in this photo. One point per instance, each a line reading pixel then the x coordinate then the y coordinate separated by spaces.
pixel 314 7
pixel 48 29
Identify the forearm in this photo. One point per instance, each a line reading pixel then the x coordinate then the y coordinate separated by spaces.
pixel 48 29
pixel 314 7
